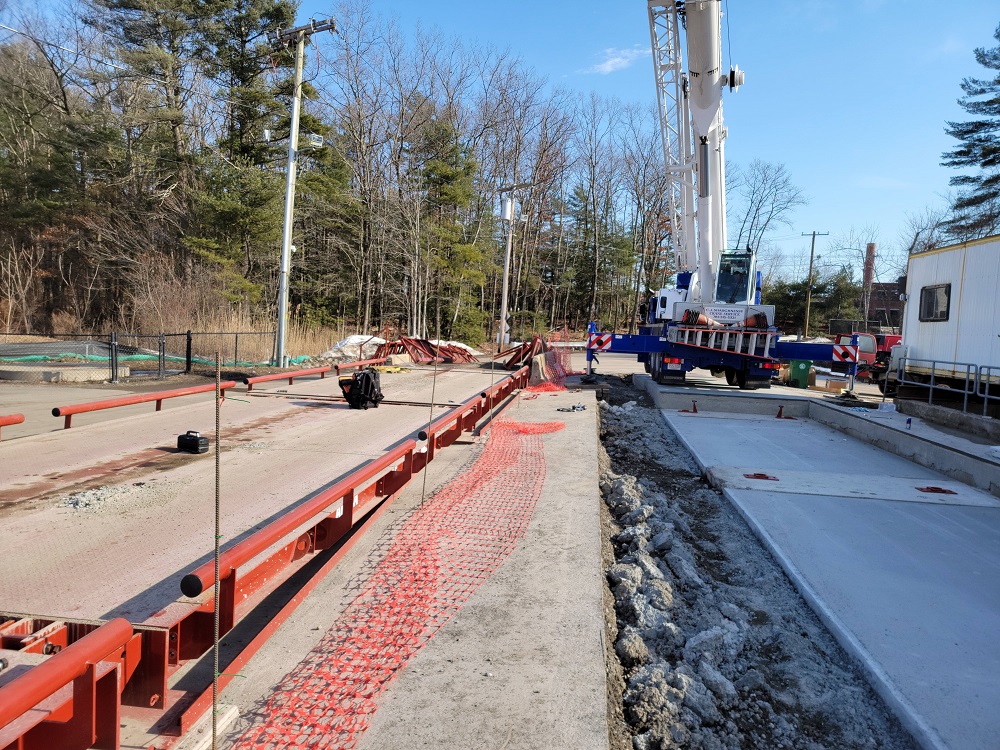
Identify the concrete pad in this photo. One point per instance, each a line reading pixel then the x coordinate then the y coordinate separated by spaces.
pixel 908 582
pixel 770 444
pixel 125 554
pixel 836 484
pixel 913 591
pixel 522 664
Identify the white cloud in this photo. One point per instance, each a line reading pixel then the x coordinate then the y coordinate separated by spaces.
pixel 617 59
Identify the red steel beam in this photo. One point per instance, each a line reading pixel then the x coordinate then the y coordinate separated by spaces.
pixel 38 683
pixel 402 459
pixel 231 670
pixel 9 419
pixel 139 398
pixel 321 371
pixel 203 578
pixel 359 363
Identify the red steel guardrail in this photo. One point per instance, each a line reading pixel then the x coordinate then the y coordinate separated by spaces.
pixel 9 419
pixel 139 398
pixel 40 682
pixel 359 363
pixel 320 528
pixel 402 462
pixel 321 371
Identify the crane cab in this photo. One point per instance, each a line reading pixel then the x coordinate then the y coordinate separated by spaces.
pixel 736 280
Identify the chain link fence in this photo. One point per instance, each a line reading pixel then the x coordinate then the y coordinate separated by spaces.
pixel 59 358
pixel 125 357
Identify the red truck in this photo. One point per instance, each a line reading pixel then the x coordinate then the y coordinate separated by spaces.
pixel 874 351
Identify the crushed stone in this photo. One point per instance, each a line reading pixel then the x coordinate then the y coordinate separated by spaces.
pixel 718 650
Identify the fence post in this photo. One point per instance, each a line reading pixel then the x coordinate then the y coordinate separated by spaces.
pixel 113 356
pixel 187 355
pixel 161 365
pixel 236 350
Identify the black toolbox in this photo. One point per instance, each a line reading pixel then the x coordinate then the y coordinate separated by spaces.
pixel 192 442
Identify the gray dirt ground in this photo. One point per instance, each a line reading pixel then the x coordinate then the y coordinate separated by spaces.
pixel 718 650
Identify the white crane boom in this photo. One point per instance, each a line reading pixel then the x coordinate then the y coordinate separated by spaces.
pixel 691 126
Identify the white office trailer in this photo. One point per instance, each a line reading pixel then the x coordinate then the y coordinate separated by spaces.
pixel 951 316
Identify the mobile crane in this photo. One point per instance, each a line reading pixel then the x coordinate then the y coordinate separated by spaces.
pixel 712 318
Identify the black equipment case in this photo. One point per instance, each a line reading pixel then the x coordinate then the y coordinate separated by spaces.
pixel 362 389
pixel 192 442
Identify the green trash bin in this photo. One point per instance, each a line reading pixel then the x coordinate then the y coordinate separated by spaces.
pixel 798 373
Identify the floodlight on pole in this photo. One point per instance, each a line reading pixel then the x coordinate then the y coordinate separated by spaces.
pixel 298 36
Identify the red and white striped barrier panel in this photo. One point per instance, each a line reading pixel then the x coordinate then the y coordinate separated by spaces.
pixel 845 353
pixel 599 342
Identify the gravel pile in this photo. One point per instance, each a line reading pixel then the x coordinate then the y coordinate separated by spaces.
pixel 717 648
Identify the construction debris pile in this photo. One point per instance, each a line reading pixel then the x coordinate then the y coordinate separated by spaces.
pixel 422 351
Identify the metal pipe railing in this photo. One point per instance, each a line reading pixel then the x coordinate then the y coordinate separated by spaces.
pixel 983 380
pixel 359 363
pixel 138 398
pixel 10 419
pixel 38 683
pixel 942 369
pixel 321 371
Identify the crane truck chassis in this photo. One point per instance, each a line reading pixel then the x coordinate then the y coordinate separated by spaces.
pixel 749 356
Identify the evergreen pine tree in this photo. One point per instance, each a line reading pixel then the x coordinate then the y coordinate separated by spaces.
pixel 977 208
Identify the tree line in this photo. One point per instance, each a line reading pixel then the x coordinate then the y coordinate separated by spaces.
pixel 142 177
pixel 142 169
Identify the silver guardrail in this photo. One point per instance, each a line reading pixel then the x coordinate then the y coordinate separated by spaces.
pixel 983 381
pixel 941 369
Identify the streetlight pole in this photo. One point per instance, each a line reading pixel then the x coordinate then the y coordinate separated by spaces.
pixel 507 214
pixel 809 281
pixel 299 35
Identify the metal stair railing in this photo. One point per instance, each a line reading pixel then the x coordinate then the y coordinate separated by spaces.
pixel 750 342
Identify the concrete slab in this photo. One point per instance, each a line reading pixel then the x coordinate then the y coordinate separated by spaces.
pixel 124 550
pixel 52 373
pixel 522 663
pixel 908 581
pixel 912 590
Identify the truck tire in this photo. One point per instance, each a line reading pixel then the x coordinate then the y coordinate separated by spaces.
pixel 731 376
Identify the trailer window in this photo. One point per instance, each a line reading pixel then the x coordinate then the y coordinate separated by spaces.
pixel 935 302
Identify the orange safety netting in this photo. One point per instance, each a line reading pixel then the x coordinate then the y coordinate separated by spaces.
pixel 442 554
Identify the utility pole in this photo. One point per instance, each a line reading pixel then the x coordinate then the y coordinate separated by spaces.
pixel 809 281
pixel 284 38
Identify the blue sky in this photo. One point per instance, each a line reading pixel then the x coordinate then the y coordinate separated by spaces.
pixel 851 96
